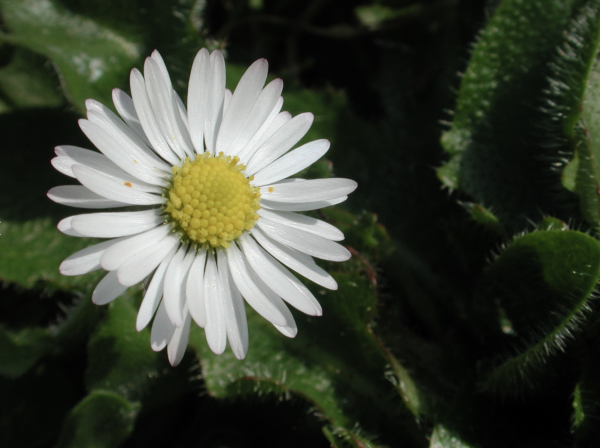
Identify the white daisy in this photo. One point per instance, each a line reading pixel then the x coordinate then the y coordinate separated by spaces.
pixel 214 209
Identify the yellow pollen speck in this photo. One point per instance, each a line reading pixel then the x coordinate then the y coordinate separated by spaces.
pixel 271 189
pixel 211 200
pixel 128 184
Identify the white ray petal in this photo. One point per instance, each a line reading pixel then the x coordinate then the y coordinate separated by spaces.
pixel 300 206
pixel 263 107
pixel 242 102
pixel 302 241
pixel 66 226
pixel 86 260
pixel 147 118
pixel 216 327
pixel 114 257
pixel 154 293
pixel 175 281
pixel 124 105
pixel 105 118
pixel 197 98
pixel 123 154
pixel 269 125
pixel 280 142
pixel 179 340
pixel 289 331
pixel 292 162
pixel 235 313
pixel 114 190
pixel 138 266
pixel 303 222
pixel 226 100
pixel 112 225
pixel 256 297
pixel 81 197
pixel 194 289
pixel 214 102
pixel 108 289
pixel 301 263
pixel 162 329
pixel 72 155
pixel 166 111
pixel 279 279
pixel 308 190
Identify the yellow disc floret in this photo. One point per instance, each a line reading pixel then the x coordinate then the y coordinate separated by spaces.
pixel 211 199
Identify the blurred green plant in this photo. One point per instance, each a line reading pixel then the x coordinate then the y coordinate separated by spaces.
pixel 467 315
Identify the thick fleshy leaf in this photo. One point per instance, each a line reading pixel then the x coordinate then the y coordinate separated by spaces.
pixel 517 106
pixel 542 284
pixel 102 419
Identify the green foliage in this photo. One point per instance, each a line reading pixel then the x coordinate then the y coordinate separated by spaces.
pixel 467 315
pixel 542 283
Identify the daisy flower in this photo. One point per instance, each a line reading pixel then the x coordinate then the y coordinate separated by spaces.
pixel 211 209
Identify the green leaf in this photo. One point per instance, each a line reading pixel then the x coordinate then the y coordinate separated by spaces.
pixel 28 81
pixel 19 351
pixel 94 44
pixel 92 58
pixel 442 437
pixel 101 420
pixel 518 102
pixel 334 362
pixel 587 161
pixel 542 282
pixel 120 359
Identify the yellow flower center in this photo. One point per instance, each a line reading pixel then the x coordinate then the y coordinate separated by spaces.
pixel 211 199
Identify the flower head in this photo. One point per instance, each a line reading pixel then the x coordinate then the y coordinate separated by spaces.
pixel 211 208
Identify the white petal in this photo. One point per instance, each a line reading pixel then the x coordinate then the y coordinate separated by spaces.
pixel 175 281
pixel 242 102
pixel 279 279
pixel 108 289
pixel 280 142
pixel 162 329
pixel 72 155
pixel 308 190
pixel 194 289
pixel 226 100
pixel 179 340
pixel 267 305
pixel 86 260
pixel 114 190
pixel 273 122
pixel 182 112
pixel 111 225
pixel 147 118
pixel 263 107
pixel 308 243
pixel 156 57
pixel 303 222
pixel 300 206
pixel 154 293
pixel 197 98
pixel 124 105
pixel 114 257
pixel 166 111
pixel 137 267
pixel 235 313
pixel 66 226
pixel 289 331
pixel 216 327
pixel 214 102
pixel 123 134
pixel 298 261
pixel 292 162
pixel 123 154
pixel 80 196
